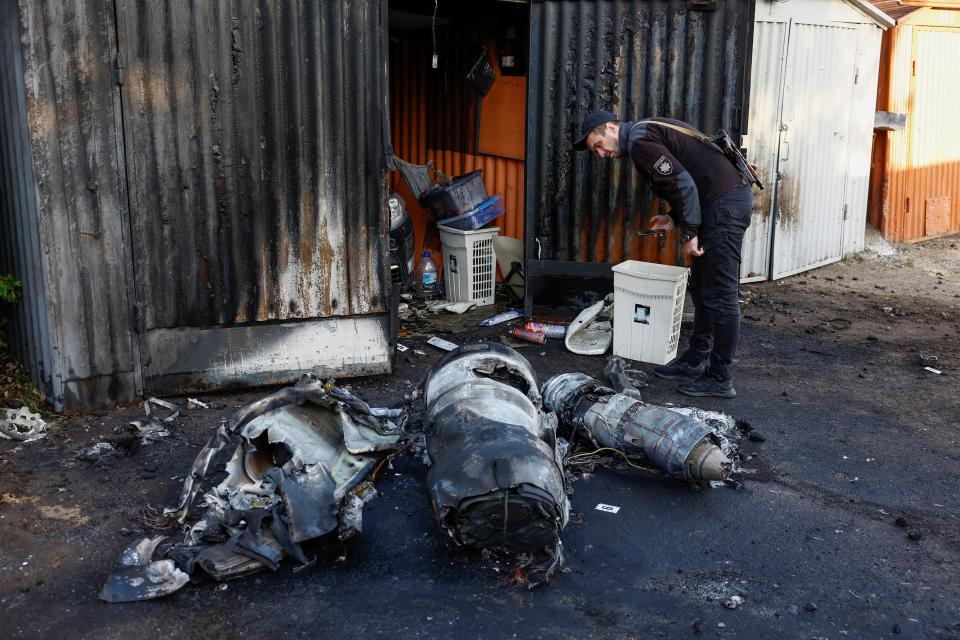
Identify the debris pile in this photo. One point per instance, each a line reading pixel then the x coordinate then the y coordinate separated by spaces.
pixel 299 472
pixel 306 457
pixel 139 432
pixel 140 577
pixel 21 424
pixel 155 427
pixel 95 451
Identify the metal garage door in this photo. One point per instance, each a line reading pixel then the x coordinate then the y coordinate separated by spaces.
pixel 803 81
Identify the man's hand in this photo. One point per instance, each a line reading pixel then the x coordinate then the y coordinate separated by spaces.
pixel 692 249
pixel 661 222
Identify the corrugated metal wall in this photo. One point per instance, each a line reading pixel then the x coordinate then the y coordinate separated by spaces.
pixel 420 95
pixel 257 170
pixel 878 157
pixel 252 137
pixel 28 331
pixel 920 161
pixel 893 219
pixel 73 113
pixel 861 137
pixel 766 95
pixel 890 148
pixel 935 144
pixel 664 57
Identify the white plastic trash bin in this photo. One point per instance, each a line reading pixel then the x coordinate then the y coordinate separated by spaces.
pixel 469 264
pixel 647 310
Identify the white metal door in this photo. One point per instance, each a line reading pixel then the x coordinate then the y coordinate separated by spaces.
pixel 766 96
pixel 814 147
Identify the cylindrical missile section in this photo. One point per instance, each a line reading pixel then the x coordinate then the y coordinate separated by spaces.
pixel 678 445
pixel 496 478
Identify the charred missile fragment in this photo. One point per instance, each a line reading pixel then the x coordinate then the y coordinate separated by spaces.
pixel 299 471
pixel 677 444
pixel 496 478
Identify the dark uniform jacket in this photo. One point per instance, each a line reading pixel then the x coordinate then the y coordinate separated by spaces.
pixel 682 170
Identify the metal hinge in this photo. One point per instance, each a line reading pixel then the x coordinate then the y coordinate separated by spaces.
pixel 844 212
pixel 856 75
pixel 119 68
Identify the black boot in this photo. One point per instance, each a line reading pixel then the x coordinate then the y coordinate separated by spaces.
pixel 679 370
pixel 707 385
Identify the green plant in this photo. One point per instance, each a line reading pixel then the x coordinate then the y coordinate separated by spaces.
pixel 9 288
pixel 9 293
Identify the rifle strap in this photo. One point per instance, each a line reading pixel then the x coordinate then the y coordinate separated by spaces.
pixel 684 130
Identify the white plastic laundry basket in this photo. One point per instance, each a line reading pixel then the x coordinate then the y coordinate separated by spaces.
pixel 469 264
pixel 647 310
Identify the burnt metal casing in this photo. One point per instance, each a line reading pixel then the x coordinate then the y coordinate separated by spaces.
pixel 299 472
pixel 496 478
pixel 677 444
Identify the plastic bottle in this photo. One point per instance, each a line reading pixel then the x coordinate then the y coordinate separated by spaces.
pixel 426 276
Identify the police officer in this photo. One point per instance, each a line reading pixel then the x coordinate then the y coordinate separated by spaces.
pixel 710 203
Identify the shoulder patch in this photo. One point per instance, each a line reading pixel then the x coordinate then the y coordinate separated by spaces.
pixel 663 166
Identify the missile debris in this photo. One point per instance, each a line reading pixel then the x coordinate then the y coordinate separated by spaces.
pixel 677 444
pixel 496 478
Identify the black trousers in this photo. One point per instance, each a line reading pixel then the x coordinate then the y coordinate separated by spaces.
pixel 715 282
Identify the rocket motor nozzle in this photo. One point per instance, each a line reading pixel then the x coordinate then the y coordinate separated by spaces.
pixel 707 463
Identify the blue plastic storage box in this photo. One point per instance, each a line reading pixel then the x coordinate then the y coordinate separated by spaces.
pixel 487 211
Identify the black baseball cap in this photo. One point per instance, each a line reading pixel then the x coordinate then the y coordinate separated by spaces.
pixel 590 122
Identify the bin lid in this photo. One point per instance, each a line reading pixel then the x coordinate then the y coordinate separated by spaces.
pixel 649 270
pixel 443 229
